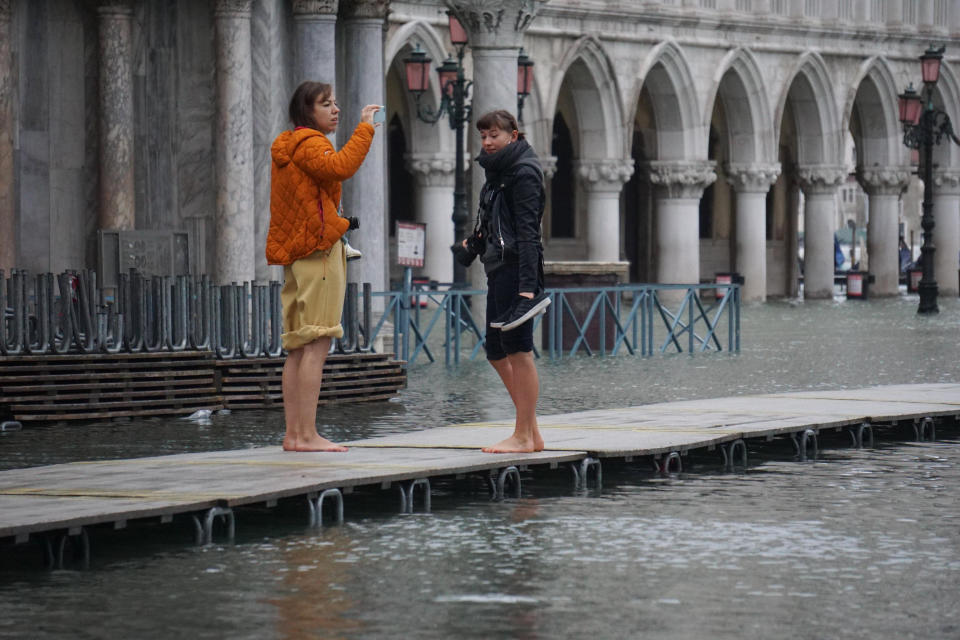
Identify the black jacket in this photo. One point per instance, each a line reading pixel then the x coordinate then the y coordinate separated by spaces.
pixel 511 209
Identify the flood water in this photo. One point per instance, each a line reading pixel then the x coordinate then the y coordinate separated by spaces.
pixel 857 544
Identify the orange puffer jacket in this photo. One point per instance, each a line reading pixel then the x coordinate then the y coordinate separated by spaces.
pixel 305 190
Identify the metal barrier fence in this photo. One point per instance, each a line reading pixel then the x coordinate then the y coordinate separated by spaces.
pixel 68 312
pixel 149 314
pixel 590 320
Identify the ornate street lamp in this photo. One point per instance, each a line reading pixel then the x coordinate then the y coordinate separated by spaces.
pixel 455 93
pixel 923 127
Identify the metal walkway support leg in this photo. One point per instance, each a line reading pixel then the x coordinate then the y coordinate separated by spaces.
pixel 83 552
pixel 582 475
pixel 406 495
pixel 856 433
pixel 802 444
pixel 317 509
pixel 923 426
pixel 508 472
pixel 729 451
pixel 672 460
pixel 217 512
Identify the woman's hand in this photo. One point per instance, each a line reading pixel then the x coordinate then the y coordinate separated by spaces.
pixel 366 115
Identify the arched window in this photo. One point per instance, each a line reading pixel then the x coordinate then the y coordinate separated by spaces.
pixel 563 185
pixel 401 181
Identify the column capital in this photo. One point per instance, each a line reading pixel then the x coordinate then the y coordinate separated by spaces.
pixel 608 174
pixel 110 8
pixel 312 8
pixel 821 179
pixel 495 24
pixel 752 177
pixel 878 181
pixel 681 178
pixel 431 169
pixel 233 8
pixel 947 181
pixel 549 165
pixel 359 9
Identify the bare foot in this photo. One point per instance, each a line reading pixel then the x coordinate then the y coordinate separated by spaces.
pixel 513 444
pixel 319 443
pixel 289 443
pixel 538 442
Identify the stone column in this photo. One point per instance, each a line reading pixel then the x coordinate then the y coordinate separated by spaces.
pixel 495 34
pixel 819 184
pixel 117 190
pixel 434 203
pixel 752 182
pixel 234 142
pixel 883 186
pixel 316 39
pixel 946 232
pixel 8 219
pixel 678 187
pixel 364 195
pixel 603 181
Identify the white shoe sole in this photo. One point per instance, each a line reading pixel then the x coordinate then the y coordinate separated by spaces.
pixel 535 310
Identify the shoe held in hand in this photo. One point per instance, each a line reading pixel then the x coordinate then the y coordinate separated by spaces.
pixel 354 223
pixel 524 309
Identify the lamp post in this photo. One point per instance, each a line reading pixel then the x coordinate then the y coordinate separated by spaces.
pixel 923 127
pixel 454 96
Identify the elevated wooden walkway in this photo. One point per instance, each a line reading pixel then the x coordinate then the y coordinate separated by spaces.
pixel 64 499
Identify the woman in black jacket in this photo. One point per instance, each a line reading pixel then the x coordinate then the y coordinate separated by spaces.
pixel 507 238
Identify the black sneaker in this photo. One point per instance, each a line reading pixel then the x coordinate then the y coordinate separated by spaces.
pixel 525 309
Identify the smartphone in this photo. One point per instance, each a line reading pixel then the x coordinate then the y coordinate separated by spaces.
pixel 380 115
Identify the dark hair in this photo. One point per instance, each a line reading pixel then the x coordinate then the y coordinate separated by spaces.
pixel 301 104
pixel 499 119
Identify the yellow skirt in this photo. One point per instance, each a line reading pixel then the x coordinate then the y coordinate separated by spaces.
pixel 312 297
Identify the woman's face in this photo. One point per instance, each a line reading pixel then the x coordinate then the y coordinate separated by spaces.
pixel 326 113
pixel 492 140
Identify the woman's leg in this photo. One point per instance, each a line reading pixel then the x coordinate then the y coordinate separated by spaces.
pixel 309 382
pixel 519 375
pixel 291 411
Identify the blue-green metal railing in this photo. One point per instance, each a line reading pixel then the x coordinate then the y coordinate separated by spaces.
pixel 603 320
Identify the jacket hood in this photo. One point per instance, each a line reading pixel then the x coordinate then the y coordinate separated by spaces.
pixel 286 144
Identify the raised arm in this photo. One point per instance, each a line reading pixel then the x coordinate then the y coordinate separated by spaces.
pixel 316 156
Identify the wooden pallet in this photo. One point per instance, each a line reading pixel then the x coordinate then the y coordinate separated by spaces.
pixel 255 383
pixel 59 388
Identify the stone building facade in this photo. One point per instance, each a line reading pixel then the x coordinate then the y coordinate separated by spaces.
pixel 681 138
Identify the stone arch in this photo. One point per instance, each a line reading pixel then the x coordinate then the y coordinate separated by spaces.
pixel 668 80
pixel 811 96
pixel 872 101
pixel 421 137
pixel 739 85
pixel 946 98
pixel 422 168
pixel 587 73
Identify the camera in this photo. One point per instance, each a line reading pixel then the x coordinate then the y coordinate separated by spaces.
pixel 466 255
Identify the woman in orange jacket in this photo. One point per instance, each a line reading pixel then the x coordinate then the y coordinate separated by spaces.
pixel 304 236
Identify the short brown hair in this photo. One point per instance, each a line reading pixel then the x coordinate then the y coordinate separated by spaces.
pixel 301 104
pixel 499 119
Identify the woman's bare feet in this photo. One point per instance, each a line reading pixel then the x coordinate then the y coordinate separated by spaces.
pixel 513 444
pixel 316 443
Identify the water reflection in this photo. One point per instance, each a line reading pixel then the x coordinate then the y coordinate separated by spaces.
pixel 315 600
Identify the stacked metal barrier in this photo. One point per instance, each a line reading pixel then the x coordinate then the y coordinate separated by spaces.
pixel 69 313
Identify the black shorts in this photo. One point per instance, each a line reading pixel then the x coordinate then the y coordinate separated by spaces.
pixel 503 287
